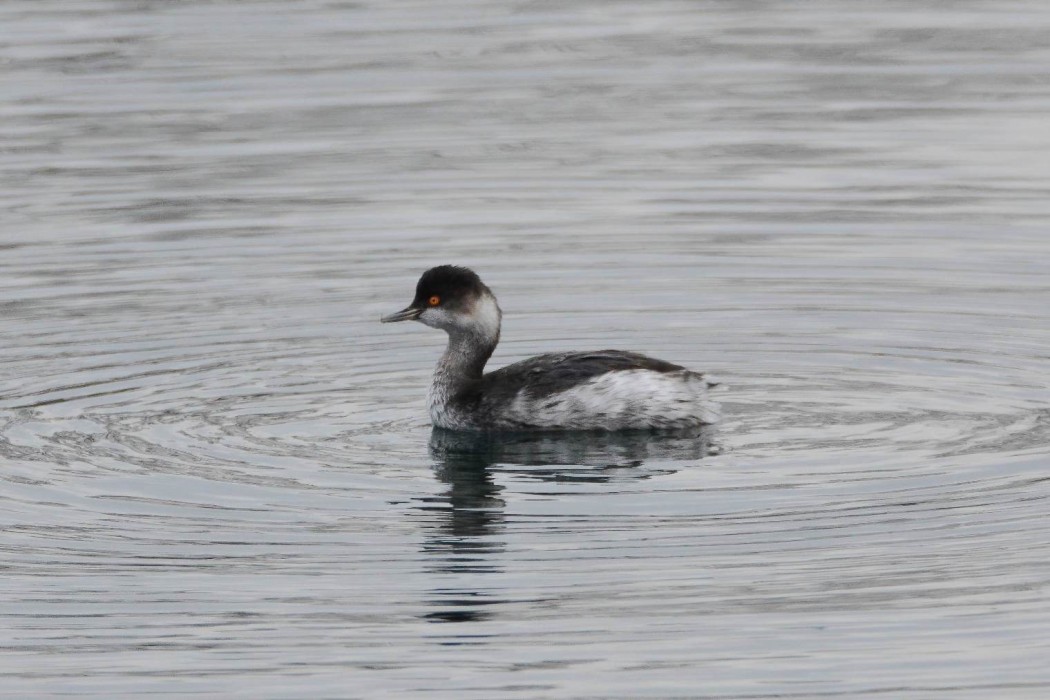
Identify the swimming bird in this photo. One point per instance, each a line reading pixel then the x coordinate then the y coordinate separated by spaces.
pixel 599 390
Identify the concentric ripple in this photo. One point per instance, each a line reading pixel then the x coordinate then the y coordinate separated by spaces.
pixel 265 478
pixel 216 472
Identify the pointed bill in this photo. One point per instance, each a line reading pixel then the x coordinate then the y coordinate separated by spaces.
pixel 409 314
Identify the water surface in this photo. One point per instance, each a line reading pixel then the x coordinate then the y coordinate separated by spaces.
pixel 218 477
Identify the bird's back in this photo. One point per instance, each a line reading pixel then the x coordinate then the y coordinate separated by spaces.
pixel 605 389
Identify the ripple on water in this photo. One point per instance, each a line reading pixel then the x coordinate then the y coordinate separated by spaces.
pixel 288 489
pixel 217 471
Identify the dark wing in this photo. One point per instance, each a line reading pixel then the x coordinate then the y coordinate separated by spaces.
pixel 544 375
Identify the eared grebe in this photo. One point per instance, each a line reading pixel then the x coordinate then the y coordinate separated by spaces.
pixel 602 390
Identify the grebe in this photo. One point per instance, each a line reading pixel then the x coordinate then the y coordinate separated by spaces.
pixel 602 390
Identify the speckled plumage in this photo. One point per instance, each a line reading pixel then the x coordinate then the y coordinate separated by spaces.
pixel 601 390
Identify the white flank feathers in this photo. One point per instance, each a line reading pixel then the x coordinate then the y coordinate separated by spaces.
pixel 636 399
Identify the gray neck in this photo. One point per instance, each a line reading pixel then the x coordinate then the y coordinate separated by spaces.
pixel 464 360
pixel 470 345
pixel 471 340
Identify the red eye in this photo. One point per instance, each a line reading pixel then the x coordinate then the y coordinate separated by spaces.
pixel 434 300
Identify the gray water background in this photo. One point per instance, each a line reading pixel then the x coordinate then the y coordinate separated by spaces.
pixel 217 477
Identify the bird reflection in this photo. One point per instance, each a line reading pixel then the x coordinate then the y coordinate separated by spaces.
pixel 465 538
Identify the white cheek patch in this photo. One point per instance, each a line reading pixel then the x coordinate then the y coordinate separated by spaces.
pixel 482 321
pixel 437 318
pixel 486 317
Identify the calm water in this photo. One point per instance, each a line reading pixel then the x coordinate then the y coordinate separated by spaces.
pixel 218 477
